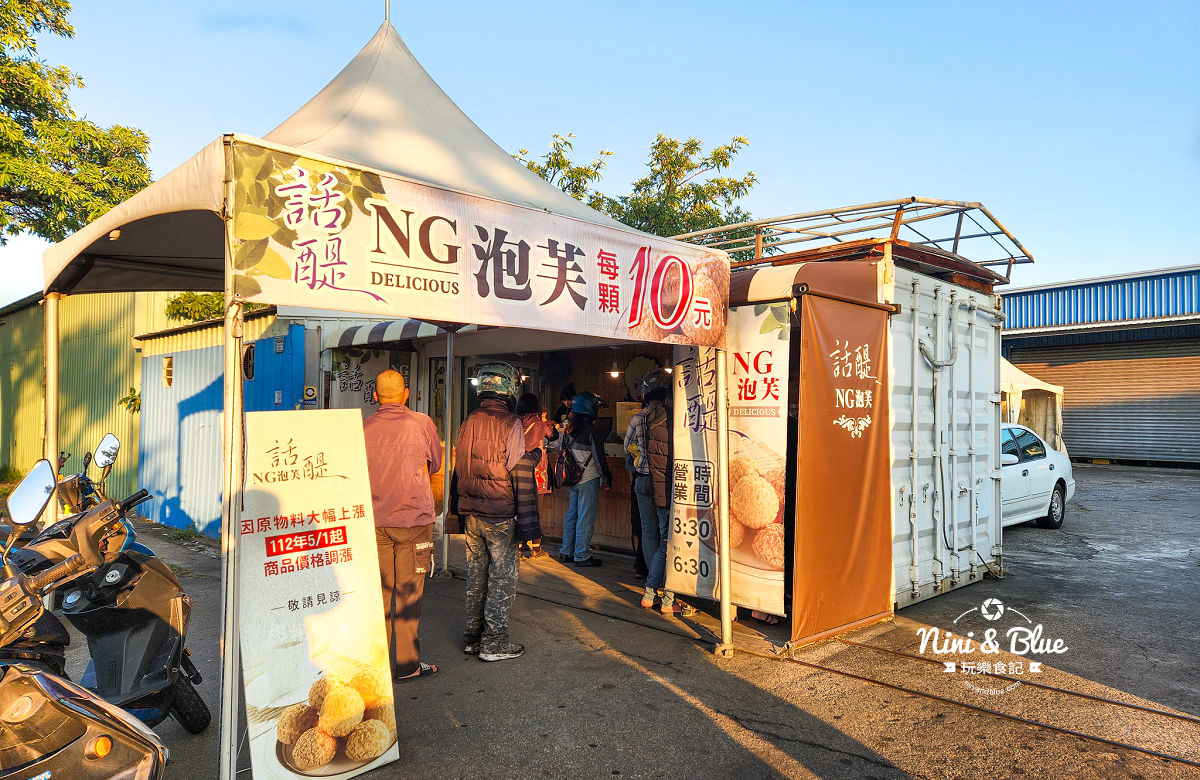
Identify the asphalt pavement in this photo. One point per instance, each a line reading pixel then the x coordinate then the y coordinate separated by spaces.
pixel 600 697
pixel 1119 582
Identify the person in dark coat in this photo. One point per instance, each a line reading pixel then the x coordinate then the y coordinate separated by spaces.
pixel 660 451
pixel 567 397
pixel 490 445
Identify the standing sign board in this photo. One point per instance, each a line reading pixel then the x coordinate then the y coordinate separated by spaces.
pixel 758 380
pixel 314 653
pixel 310 232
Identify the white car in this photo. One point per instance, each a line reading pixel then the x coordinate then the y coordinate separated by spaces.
pixel 1035 480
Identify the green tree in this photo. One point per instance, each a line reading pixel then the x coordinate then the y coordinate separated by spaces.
pixel 199 306
pixel 681 194
pixel 57 171
pixel 575 180
pixel 685 190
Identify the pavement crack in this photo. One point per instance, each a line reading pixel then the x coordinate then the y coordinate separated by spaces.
pixel 746 723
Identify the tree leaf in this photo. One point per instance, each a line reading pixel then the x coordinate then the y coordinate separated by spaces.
pixel 249 254
pixel 245 286
pixel 284 235
pixel 373 183
pixel 769 324
pixel 759 309
pixel 251 227
pixel 785 334
pixel 272 264
pixel 781 313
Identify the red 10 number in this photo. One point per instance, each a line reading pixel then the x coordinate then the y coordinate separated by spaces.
pixel 643 279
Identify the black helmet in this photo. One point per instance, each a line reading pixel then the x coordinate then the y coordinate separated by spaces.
pixel 656 379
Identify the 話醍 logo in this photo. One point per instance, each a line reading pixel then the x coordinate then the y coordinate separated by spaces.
pixel 981 645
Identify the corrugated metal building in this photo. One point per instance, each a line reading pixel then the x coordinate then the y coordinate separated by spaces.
pixel 98 367
pixel 1126 349
pixel 183 380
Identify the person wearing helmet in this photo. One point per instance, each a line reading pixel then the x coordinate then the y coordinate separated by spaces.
pixel 490 444
pixel 652 439
pixel 583 443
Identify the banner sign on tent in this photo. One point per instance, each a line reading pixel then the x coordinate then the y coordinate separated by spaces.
pixel 318 234
pixel 315 657
pixel 758 422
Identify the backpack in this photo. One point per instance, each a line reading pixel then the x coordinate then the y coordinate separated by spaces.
pixel 568 472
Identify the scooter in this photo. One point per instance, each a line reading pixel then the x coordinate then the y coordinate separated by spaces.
pixel 50 727
pixel 131 608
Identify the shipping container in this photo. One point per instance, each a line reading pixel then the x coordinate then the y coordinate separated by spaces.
pixel 941 513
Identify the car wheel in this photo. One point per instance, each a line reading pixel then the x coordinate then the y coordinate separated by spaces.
pixel 1058 508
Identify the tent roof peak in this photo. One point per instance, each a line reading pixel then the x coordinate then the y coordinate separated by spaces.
pixel 384 111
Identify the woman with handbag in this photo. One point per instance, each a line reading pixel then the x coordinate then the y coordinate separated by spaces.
pixel 537 432
pixel 583 468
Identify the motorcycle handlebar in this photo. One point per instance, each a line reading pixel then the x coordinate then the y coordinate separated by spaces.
pixel 133 500
pixel 38 582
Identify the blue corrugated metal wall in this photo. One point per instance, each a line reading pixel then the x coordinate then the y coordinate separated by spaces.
pixel 180 426
pixel 1135 298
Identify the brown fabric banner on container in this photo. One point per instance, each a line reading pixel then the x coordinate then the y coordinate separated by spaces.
pixel 843 556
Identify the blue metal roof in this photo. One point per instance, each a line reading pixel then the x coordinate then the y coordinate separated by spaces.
pixel 1144 297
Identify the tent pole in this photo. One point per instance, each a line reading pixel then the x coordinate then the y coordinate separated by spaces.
pixel 725 649
pixel 446 457
pixel 50 310
pixel 231 494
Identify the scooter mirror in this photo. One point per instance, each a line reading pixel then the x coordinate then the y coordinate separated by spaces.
pixel 26 502
pixel 106 453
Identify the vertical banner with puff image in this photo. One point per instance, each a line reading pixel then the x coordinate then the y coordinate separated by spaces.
pixel 758 341
pixel 315 660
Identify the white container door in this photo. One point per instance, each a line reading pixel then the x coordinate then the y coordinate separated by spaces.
pixel 945 436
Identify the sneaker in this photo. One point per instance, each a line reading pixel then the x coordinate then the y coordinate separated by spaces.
pixel 566 558
pixel 592 561
pixel 471 649
pixel 504 653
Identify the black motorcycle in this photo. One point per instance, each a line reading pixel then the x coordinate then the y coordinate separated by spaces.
pixel 50 727
pixel 131 608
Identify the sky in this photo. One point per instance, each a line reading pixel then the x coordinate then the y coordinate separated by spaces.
pixel 1076 124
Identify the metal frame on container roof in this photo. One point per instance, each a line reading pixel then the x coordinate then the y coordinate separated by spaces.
pixel 928 222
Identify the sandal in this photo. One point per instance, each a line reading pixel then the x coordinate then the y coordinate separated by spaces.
pixel 680 609
pixel 766 619
pixel 426 670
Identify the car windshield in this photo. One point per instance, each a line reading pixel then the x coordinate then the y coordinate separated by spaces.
pixel 1031 446
pixel 1008 445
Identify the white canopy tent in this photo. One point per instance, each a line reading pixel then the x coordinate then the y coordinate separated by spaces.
pixel 384 115
pixel 1033 403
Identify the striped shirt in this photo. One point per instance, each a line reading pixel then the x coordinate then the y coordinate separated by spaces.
pixel 635 442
